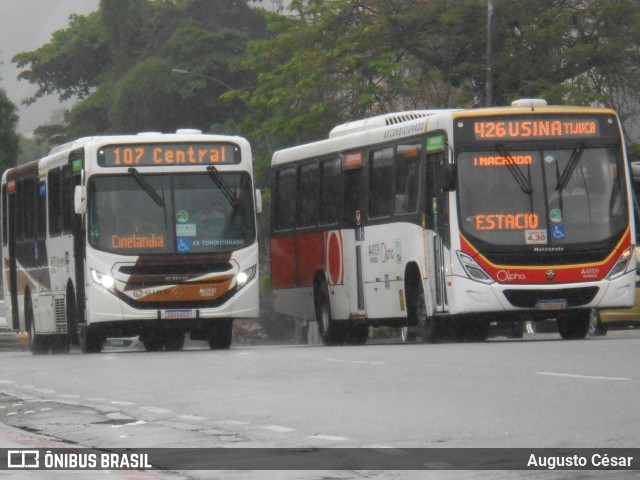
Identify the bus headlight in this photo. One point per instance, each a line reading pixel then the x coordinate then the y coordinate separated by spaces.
pixel 473 270
pixel 245 277
pixel 106 281
pixel 620 268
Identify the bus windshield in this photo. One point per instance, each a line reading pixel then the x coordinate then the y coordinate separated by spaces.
pixel 574 195
pixel 188 213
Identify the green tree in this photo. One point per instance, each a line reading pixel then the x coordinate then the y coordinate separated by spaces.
pixel 9 140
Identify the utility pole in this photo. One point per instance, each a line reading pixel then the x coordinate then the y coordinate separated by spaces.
pixel 489 82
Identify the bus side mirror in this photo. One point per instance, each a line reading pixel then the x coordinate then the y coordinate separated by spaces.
pixel 80 200
pixel 258 201
pixel 448 177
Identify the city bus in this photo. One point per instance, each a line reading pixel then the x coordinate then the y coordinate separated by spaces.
pixel 445 221
pixel 150 235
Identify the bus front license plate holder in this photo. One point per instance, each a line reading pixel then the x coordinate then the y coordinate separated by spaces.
pixel 559 304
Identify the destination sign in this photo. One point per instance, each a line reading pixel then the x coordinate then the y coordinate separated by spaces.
pixel 548 127
pixel 168 155
pixel 543 128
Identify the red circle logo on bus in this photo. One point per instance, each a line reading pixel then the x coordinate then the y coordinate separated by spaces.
pixel 334 257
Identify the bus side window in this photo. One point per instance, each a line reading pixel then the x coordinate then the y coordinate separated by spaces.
pixel 381 173
pixel 41 214
pixel 285 199
pixel 29 208
pixel 407 178
pixel 20 212
pixel 309 195
pixel 331 195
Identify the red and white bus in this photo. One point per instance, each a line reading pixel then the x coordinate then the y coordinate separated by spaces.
pixel 453 219
pixel 150 234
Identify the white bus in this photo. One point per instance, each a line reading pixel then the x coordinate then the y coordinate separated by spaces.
pixel 150 234
pixel 448 220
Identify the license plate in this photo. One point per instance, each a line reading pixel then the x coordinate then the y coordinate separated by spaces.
pixel 551 305
pixel 173 314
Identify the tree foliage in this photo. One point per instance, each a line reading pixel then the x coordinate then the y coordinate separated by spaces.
pixel 9 139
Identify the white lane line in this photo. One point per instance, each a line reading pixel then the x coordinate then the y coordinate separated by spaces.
pixel 587 377
pixel 356 362
pixel 3 382
pixel 95 399
pixel 193 417
pixel 11 414
pixel 277 428
pixel 232 422
pixel 156 410
pixel 329 438
pixel 116 402
pixel 46 409
pixel 68 395
pixel 45 390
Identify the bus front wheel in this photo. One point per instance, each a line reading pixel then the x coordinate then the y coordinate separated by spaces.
pixel 331 332
pixel 220 334
pixel 90 340
pixel 574 325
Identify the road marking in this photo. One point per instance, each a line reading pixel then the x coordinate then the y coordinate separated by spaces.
pixel 156 410
pixel 587 377
pixel 277 428
pixel 95 399
pixel 330 438
pixel 11 414
pixel 46 409
pixel 45 390
pixel 116 402
pixel 362 362
pixel 27 412
pixel 232 422
pixel 68 395
pixel 5 381
pixel 193 417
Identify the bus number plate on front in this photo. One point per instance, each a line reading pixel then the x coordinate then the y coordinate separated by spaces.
pixel 175 314
pixel 551 304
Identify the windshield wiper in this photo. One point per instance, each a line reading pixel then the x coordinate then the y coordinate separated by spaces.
pixel 146 186
pixel 222 185
pixel 520 178
pixel 571 166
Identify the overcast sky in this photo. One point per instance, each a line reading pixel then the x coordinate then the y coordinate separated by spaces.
pixel 26 25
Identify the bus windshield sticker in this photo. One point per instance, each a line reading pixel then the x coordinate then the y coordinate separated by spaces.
pixel 535 237
pixel 167 154
pixel 186 230
pixel 352 160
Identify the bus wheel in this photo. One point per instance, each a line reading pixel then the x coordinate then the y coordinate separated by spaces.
pixel 575 325
pixel 154 340
pixel 174 340
pixel 331 332
pixel 90 341
pixel 220 334
pixel 428 327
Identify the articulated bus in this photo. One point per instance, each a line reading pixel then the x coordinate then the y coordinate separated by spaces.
pixel 445 221
pixel 150 234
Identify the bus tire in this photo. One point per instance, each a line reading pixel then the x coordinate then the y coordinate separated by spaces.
pixel 408 334
pixel 470 329
pixel 154 340
pixel 574 325
pixel 220 334
pixel 428 327
pixel 173 340
pixel 90 341
pixel 331 332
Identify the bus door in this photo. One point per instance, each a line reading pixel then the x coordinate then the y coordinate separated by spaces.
pixel 13 272
pixel 437 215
pixel 352 185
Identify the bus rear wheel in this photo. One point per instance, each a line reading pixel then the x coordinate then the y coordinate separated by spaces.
pixel 173 340
pixel 574 325
pixel 220 334
pixel 153 340
pixel 331 332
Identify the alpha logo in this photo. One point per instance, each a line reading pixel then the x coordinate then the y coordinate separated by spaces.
pixel 506 276
pixel 551 275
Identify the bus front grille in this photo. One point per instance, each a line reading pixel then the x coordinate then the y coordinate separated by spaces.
pixel 575 297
